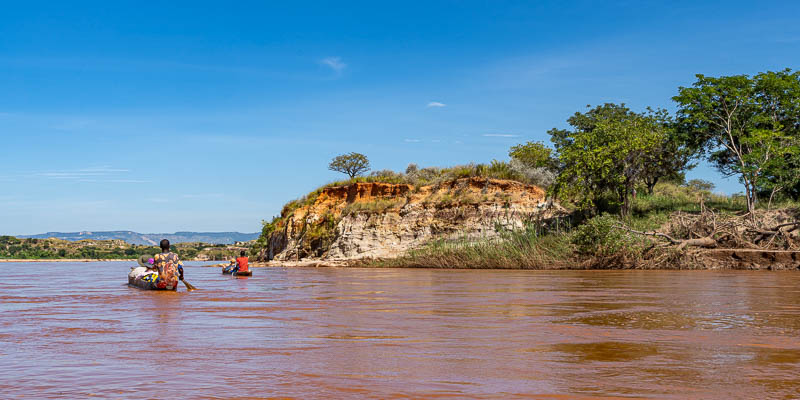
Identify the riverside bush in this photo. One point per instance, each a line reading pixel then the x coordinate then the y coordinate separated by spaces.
pixel 598 236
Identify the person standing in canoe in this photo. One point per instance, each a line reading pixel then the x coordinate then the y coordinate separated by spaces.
pixel 170 267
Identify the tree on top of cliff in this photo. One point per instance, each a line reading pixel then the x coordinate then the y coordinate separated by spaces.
pixel 533 154
pixel 353 164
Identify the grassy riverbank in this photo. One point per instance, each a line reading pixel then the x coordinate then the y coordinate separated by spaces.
pixel 636 241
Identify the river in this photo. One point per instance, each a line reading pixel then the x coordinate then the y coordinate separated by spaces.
pixel 75 330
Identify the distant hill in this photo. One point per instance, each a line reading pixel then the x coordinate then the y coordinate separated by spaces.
pixel 151 238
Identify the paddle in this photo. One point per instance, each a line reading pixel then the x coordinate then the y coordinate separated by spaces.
pixel 189 286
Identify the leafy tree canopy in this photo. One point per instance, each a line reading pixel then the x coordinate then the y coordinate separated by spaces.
pixel 748 126
pixel 352 164
pixel 610 149
pixel 532 154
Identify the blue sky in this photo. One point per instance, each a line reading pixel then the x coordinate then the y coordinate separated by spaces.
pixel 211 115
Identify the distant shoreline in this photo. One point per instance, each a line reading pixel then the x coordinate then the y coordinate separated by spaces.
pixel 10 260
pixel 76 260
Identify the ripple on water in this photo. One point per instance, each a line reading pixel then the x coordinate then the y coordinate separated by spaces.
pixel 360 333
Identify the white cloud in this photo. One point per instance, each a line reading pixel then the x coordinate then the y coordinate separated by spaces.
pixel 436 104
pixel 505 135
pixel 82 173
pixel 204 196
pixel 128 181
pixel 335 63
pixel 412 140
pixel 102 174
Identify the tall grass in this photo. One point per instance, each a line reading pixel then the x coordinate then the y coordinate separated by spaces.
pixel 520 249
pixel 669 197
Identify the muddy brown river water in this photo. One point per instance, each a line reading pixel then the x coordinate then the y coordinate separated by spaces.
pixel 75 330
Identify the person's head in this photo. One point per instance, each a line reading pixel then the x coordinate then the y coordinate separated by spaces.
pixel 242 253
pixel 164 245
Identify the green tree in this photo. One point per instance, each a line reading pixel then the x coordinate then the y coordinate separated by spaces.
pixel 532 154
pixel 747 126
pixel 670 157
pixel 352 164
pixel 609 150
pixel 701 184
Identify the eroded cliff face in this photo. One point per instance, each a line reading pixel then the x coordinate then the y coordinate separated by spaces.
pixel 386 220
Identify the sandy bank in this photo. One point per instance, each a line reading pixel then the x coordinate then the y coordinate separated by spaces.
pixel 302 263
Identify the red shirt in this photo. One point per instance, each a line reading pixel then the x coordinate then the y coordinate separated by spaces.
pixel 242 261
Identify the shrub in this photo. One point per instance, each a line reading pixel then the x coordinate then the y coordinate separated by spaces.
pixel 387 176
pixel 539 176
pixel 700 184
pixel 501 170
pixel 598 236
pixel 289 207
pixel 532 154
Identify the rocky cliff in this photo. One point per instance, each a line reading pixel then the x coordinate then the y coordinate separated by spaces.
pixel 385 220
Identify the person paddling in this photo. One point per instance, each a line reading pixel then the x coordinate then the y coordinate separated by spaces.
pixel 241 262
pixel 170 267
pixel 237 266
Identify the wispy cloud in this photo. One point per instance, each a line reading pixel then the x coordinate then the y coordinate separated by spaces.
pixel 128 181
pixel 502 135
pixel 84 173
pixel 412 140
pixel 204 196
pixel 436 104
pixel 334 63
pixel 73 124
pixel 102 174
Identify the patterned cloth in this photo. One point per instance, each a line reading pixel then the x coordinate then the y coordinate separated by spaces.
pixel 231 269
pixel 168 265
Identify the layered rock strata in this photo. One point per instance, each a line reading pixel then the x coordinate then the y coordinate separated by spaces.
pixel 386 220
